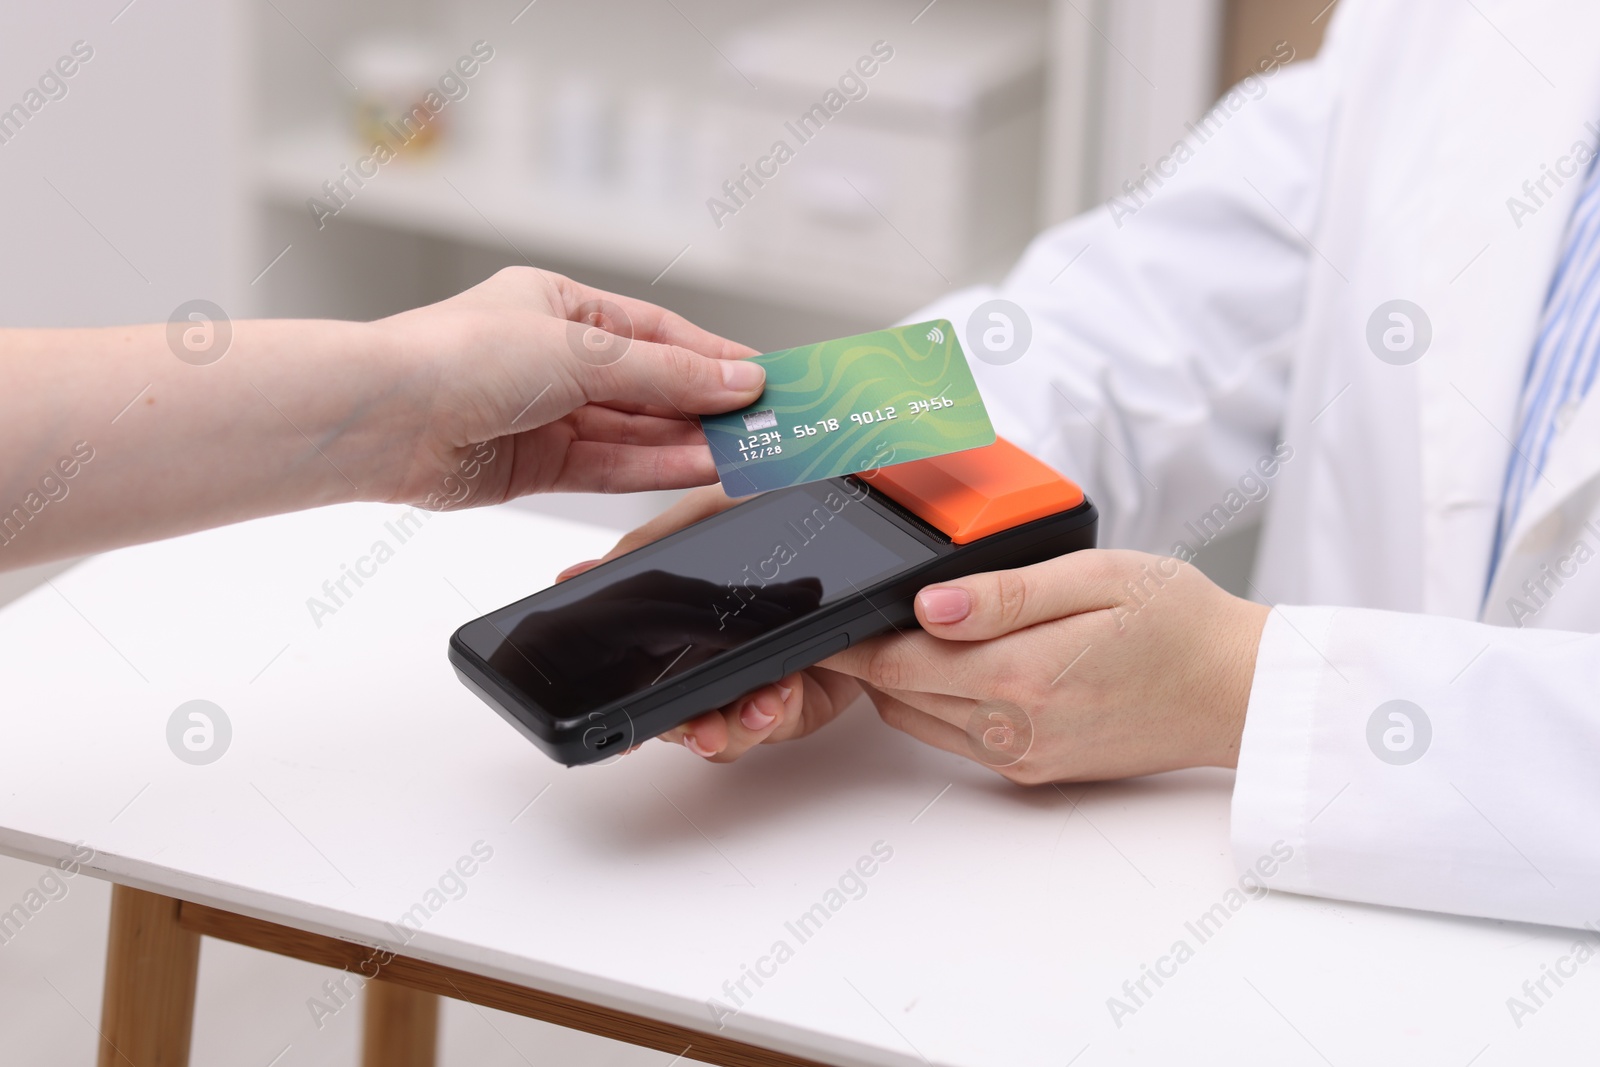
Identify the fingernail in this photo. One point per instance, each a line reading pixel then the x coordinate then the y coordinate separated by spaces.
pixel 575 569
pixel 783 693
pixel 944 605
pixel 754 718
pixel 741 374
pixel 694 746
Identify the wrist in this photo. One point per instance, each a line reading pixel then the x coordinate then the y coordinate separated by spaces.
pixel 1237 670
pixel 384 403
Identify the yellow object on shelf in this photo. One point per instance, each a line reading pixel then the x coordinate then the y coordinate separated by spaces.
pixel 394 79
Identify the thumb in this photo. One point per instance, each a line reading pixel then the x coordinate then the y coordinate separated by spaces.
pixel 610 368
pixel 577 569
pixel 983 606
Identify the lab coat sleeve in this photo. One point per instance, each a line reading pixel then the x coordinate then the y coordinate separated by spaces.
pixel 1162 321
pixel 1476 795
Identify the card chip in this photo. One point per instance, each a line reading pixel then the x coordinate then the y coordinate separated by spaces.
pixel 765 419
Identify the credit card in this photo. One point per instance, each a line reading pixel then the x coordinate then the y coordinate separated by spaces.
pixel 850 405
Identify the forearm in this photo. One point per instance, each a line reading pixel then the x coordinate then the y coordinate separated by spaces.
pixel 1425 762
pixel 108 438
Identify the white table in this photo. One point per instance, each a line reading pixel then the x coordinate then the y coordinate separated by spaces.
pixel 359 770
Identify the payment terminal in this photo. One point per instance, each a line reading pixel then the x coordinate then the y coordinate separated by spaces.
pixel 636 646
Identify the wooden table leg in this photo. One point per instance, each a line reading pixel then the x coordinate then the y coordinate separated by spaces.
pixel 680 1043
pixel 400 1026
pixel 147 1016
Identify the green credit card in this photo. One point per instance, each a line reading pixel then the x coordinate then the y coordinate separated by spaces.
pixel 850 405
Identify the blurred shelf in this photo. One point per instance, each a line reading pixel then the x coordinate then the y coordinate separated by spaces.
pixel 457 197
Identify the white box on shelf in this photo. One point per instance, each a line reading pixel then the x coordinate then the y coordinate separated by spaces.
pixel 884 152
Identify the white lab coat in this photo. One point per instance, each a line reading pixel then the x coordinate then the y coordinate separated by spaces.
pixel 1174 348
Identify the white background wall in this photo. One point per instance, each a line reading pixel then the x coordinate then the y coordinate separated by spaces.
pixel 146 147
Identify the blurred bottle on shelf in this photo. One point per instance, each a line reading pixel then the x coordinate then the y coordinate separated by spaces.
pixel 580 141
pixel 394 77
pixel 497 125
pixel 652 152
